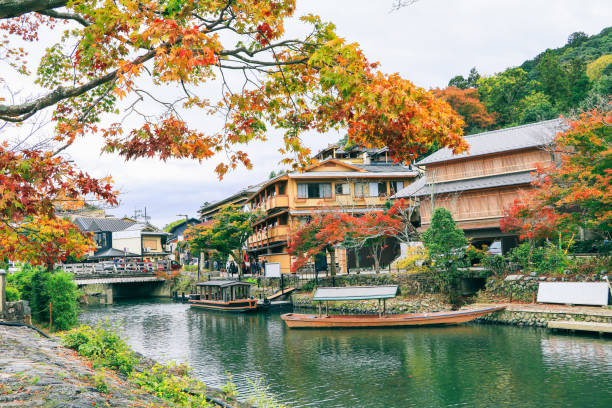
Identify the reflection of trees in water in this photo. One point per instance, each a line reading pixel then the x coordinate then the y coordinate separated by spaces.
pixel 474 365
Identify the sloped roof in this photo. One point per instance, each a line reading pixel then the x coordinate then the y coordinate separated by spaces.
pixel 99 224
pixel 524 177
pixel 412 189
pixel 502 140
pixel 356 293
pixel 385 168
pixel 112 253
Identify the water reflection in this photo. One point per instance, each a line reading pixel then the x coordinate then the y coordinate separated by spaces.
pixel 469 365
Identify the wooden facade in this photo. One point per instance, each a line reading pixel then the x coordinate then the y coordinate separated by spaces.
pixel 290 200
pixel 477 186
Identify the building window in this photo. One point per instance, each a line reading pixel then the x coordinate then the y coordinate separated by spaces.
pixel 314 190
pixel 343 189
pixel 396 186
pixel 361 189
pixel 100 239
pixel 150 243
pixel 382 189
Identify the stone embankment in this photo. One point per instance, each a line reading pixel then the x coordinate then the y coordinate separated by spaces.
pixel 40 372
pixel 537 315
pixel 408 304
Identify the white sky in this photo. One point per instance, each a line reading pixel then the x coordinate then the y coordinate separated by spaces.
pixel 427 43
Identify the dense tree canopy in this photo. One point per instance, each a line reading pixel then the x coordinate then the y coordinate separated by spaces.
pixel 155 61
pixel 227 234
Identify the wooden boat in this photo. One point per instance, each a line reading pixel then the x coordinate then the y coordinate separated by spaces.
pixel 295 320
pixel 223 295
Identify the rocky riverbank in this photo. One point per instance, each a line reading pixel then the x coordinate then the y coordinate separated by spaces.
pixel 39 372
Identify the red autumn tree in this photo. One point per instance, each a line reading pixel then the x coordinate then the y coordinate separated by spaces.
pixel 43 241
pixel 374 229
pixel 576 194
pixel 321 235
pixel 466 103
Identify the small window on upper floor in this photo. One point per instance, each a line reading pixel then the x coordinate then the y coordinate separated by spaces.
pixel 343 189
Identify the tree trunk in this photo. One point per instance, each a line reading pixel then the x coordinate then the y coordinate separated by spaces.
pixel 357 260
pixel 376 256
pixel 332 259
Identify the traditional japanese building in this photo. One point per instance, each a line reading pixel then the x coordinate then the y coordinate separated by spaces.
pixel 476 186
pixel 353 184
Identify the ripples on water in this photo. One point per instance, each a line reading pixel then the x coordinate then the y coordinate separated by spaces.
pixel 456 366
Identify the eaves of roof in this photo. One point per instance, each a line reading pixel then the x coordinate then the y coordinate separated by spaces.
pixel 502 180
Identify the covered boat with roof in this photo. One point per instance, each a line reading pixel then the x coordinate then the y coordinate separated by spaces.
pixel 381 293
pixel 224 295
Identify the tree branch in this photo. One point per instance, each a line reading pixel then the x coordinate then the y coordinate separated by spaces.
pixel 65 16
pixel 16 8
pixel 18 113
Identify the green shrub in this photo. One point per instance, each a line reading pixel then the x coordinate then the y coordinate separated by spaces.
pixel 100 382
pixel 103 346
pixel 63 297
pixel 171 382
pixel 446 245
pixel 496 264
pixel 12 294
pixel 52 296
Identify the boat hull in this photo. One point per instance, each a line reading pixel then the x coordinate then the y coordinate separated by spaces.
pixel 237 306
pixel 309 321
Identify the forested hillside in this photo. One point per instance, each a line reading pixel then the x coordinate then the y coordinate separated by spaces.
pixel 558 81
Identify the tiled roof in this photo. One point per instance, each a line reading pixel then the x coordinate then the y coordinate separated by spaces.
pixel 384 168
pixel 412 189
pixel 479 183
pixel 514 138
pixel 95 224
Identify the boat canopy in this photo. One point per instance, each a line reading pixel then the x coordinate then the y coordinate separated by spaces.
pixel 356 293
pixel 223 283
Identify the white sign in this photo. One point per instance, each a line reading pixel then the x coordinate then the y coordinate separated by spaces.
pixel 574 293
pixel 272 270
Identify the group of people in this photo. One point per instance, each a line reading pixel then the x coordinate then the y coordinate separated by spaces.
pixel 254 267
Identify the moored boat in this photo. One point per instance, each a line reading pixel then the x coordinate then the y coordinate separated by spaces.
pixel 295 320
pixel 223 295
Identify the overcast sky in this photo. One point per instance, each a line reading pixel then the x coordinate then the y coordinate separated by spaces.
pixel 427 43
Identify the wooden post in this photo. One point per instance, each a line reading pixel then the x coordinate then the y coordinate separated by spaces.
pixel 319 308
pixel 384 306
pixel 2 291
pixel 379 311
pixel 327 308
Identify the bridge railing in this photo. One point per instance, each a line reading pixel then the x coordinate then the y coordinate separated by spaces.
pixel 116 268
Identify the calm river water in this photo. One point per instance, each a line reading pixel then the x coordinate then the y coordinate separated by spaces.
pixel 462 366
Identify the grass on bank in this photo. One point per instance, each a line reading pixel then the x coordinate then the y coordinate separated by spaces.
pixel 105 348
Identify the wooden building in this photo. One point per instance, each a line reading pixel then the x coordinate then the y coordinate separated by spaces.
pixel 478 185
pixel 354 185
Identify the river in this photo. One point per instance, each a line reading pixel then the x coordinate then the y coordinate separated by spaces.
pixel 470 365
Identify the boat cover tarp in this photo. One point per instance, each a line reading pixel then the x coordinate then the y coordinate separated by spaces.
pixel 356 293
pixel 224 283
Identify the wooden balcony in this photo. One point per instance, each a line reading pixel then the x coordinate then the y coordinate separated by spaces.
pixel 274 234
pixel 280 201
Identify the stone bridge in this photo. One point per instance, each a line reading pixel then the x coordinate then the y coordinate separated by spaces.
pixel 102 283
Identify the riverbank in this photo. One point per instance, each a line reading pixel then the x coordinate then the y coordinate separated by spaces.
pixel 40 372
pixel 538 315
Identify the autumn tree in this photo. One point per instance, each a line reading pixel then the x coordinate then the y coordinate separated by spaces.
pixel 374 229
pixel 43 241
pixel 322 234
pixel 154 60
pixel 227 234
pixel 574 196
pixel 466 102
